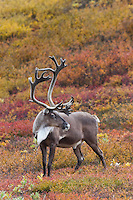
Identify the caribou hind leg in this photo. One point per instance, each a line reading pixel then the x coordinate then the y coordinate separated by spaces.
pixel 79 156
pixel 98 151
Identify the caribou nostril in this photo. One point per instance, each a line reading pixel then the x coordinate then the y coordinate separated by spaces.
pixel 66 126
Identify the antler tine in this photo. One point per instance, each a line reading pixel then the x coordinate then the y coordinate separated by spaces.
pixel 55 61
pixel 67 106
pixel 58 67
pixel 69 103
pixel 33 85
pixel 42 78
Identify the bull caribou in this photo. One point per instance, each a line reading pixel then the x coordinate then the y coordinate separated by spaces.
pixel 56 126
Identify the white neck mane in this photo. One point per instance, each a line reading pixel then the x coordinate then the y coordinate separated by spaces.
pixel 43 133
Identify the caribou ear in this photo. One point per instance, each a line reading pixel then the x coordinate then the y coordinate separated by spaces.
pixel 46 111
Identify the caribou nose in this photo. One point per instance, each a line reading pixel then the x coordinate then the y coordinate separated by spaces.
pixel 66 126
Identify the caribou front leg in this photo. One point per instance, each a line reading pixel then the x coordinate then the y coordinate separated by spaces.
pixel 44 158
pixel 51 157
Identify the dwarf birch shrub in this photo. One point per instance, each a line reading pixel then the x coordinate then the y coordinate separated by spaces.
pixel 12 29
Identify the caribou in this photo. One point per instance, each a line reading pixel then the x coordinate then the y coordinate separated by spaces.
pixel 56 126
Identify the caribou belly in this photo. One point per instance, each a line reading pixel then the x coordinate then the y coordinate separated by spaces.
pixel 74 145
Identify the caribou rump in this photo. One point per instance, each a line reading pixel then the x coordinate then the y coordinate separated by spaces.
pixel 56 126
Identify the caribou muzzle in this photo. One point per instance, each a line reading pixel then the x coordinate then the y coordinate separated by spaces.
pixel 65 126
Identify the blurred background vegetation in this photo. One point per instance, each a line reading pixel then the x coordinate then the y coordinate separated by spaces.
pixel 95 37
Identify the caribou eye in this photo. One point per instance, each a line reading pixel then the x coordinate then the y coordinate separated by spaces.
pixel 53 116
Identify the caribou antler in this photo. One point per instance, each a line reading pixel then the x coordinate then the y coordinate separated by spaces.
pixel 55 72
pixel 33 85
pixel 66 107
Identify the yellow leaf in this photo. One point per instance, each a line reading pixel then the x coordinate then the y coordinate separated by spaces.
pixel 24 151
pixel 3 144
pixel 128 164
